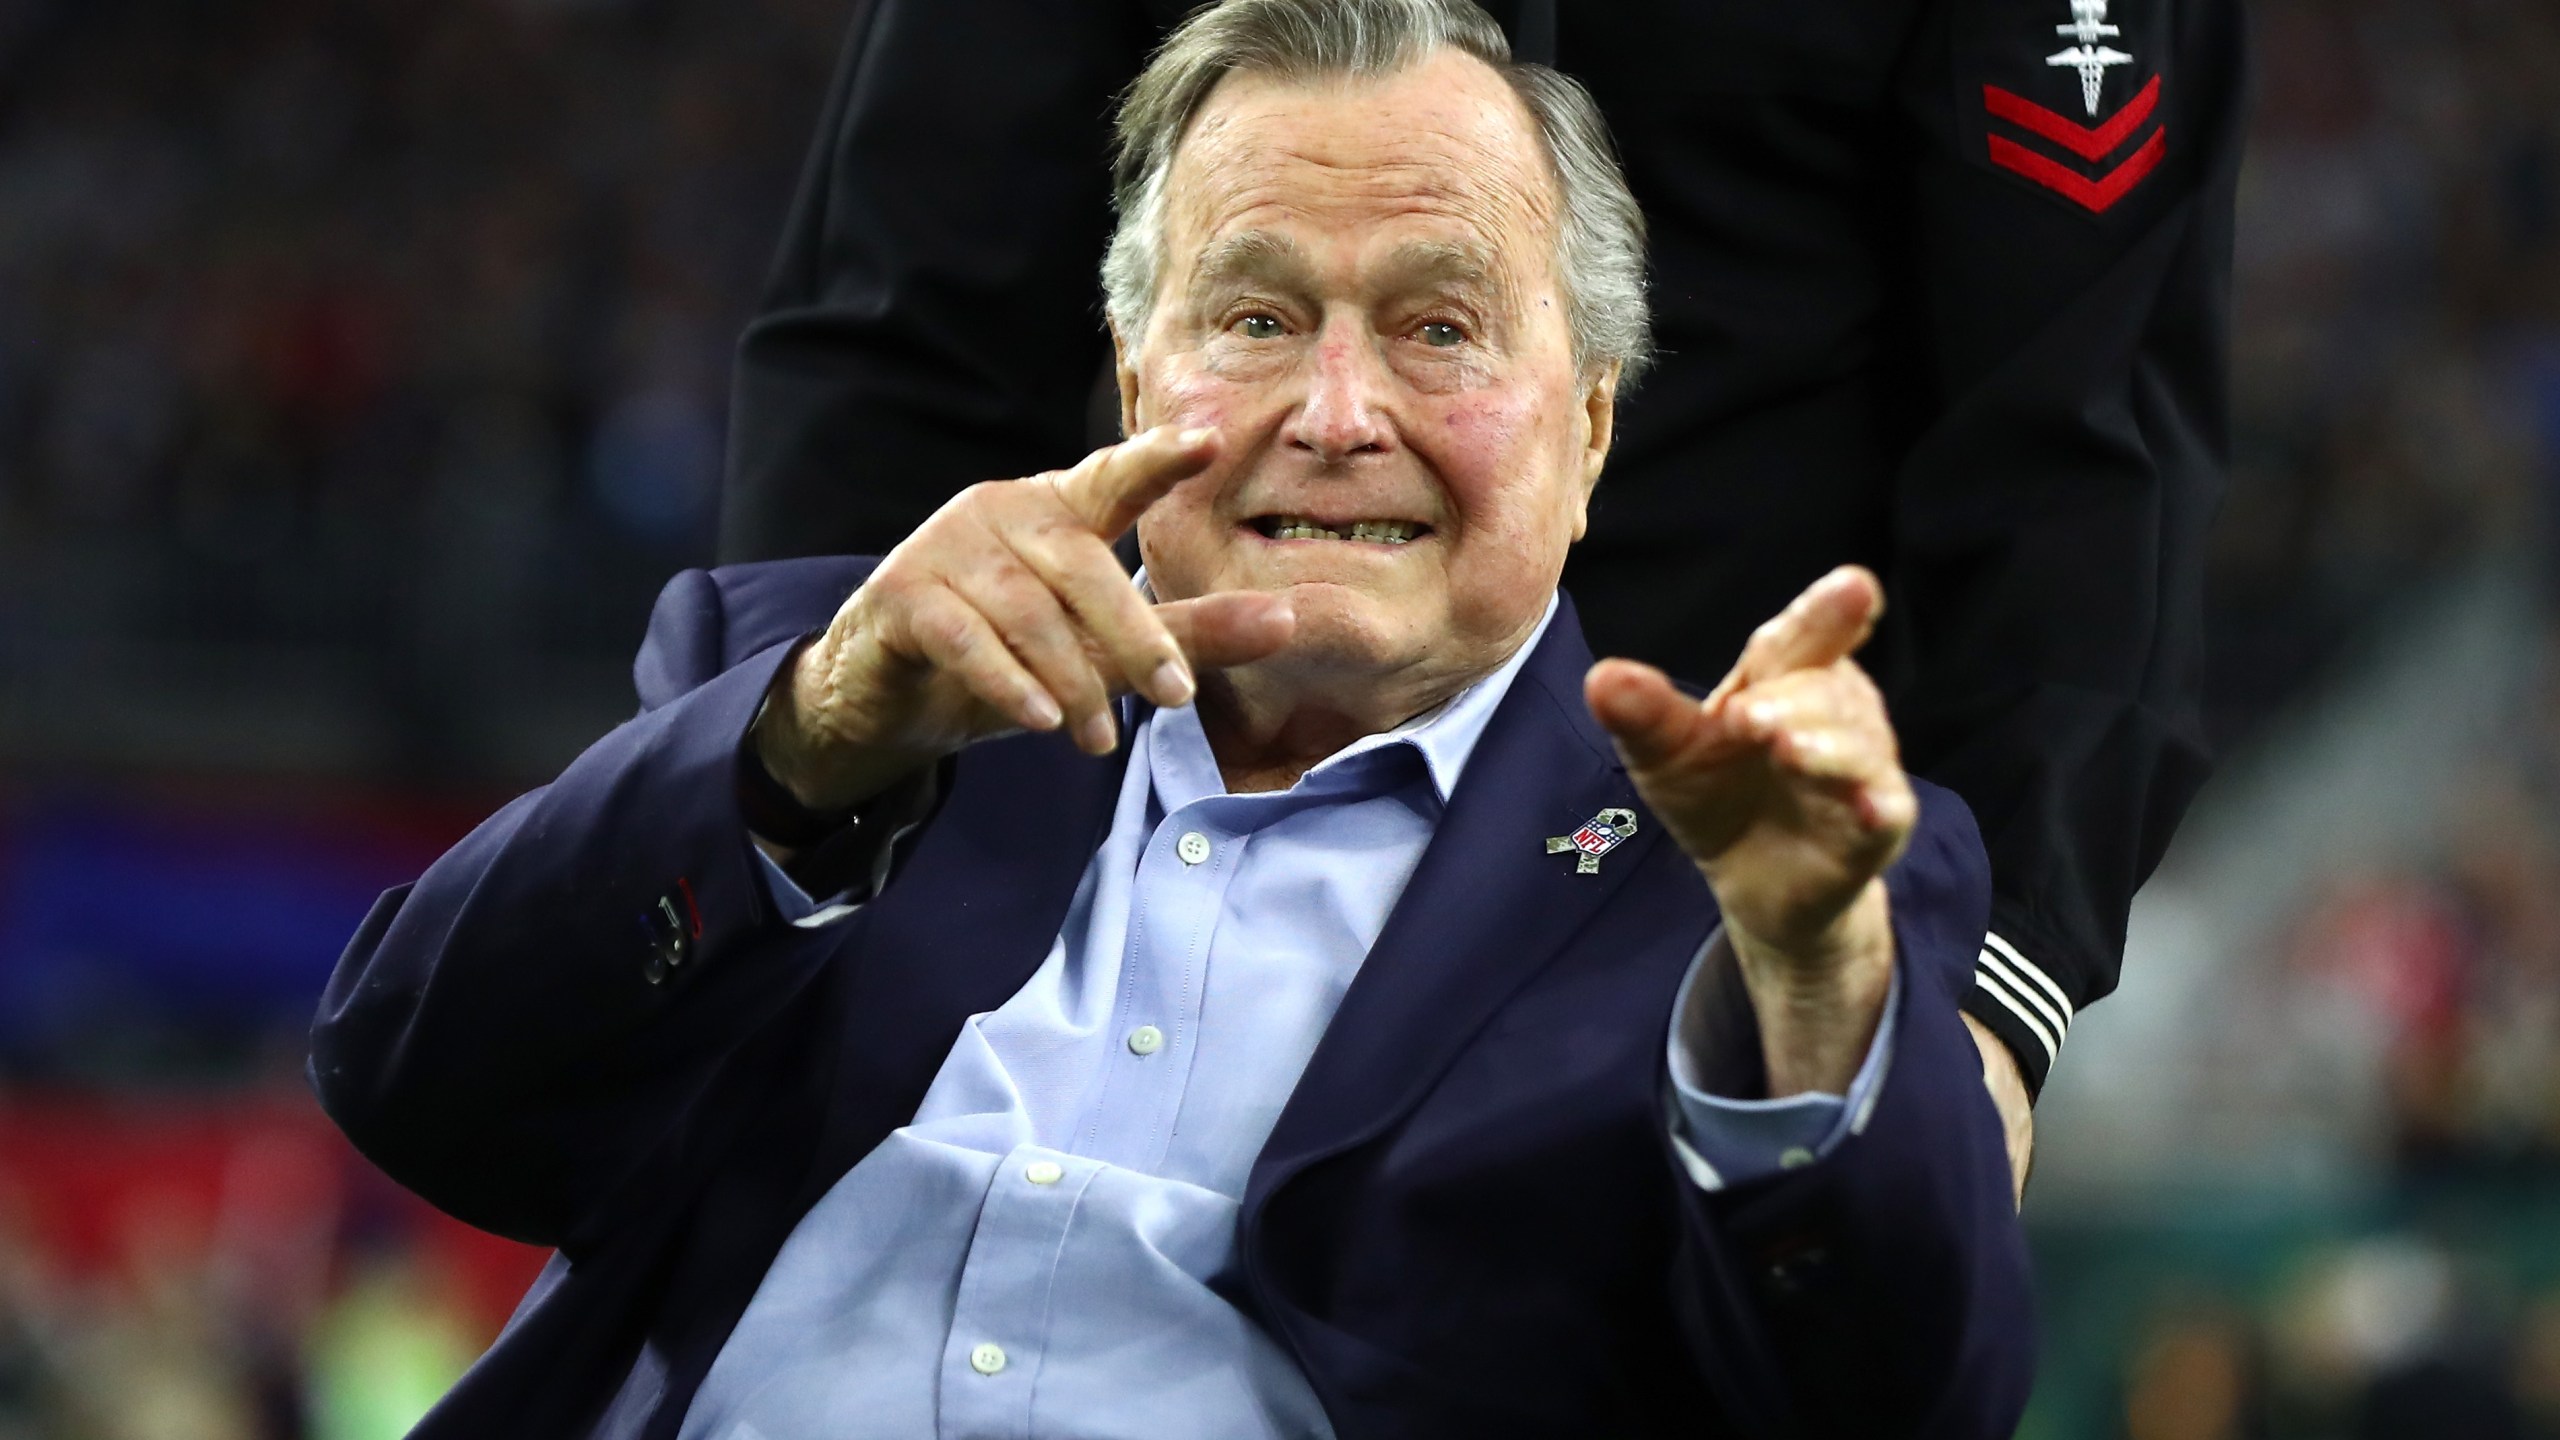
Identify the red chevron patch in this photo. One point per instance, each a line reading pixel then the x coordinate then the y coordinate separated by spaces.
pixel 2087 142
pixel 2099 193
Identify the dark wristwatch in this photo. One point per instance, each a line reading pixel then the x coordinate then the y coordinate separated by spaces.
pixel 833 851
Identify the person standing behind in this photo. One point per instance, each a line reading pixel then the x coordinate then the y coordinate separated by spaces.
pixel 1940 288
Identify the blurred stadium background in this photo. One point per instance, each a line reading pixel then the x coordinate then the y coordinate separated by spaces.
pixel 362 372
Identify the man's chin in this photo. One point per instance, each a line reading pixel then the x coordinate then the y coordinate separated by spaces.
pixel 1342 633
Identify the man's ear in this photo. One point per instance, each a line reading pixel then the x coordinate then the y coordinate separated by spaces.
pixel 1123 371
pixel 1600 429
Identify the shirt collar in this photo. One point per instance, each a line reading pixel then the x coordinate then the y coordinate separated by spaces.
pixel 1447 734
pixel 1444 735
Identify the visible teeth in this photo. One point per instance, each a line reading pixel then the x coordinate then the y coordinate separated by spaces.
pixel 1376 532
pixel 1387 532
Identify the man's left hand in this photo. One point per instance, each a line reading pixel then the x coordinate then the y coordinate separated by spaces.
pixel 1785 785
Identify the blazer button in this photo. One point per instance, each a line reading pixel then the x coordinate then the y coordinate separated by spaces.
pixel 1796 1271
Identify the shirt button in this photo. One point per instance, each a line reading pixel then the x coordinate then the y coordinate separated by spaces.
pixel 1193 847
pixel 1145 1040
pixel 987 1359
pixel 1795 1157
pixel 1044 1172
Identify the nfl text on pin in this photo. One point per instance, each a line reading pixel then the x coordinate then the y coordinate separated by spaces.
pixel 1598 836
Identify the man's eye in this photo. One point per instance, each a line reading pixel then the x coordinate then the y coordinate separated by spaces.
pixel 1442 333
pixel 1259 327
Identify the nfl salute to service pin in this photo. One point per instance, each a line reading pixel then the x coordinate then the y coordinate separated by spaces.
pixel 1598 836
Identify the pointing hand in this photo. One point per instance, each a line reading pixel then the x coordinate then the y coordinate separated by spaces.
pixel 1007 611
pixel 1785 785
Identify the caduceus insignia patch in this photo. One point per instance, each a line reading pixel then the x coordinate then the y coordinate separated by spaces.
pixel 1598 836
pixel 2069 105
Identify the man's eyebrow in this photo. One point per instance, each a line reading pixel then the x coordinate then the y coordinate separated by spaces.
pixel 1263 257
pixel 1253 255
pixel 1430 264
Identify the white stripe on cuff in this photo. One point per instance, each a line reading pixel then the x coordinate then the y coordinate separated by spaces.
pixel 1998 989
pixel 1991 972
pixel 2026 992
pixel 2027 968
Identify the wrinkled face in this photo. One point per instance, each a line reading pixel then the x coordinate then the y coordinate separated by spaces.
pixel 1359 292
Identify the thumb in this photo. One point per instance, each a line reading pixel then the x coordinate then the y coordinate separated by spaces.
pixel 1230 627
pixel 1654 724
pixel 1829 621
pixel 1116 484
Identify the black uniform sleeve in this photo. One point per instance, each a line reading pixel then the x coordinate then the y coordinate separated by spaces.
pixel 934 317
pixel 2073 211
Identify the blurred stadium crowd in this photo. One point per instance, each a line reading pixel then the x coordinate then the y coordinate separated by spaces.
pixel 368 357
pixel 362 369
pixel 362 373
pixel 2396 335
pixel 2397 420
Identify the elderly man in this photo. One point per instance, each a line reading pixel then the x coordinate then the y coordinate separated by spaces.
pixel 1299 994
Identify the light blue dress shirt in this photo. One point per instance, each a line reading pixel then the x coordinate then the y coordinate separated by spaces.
pixel 1042 1252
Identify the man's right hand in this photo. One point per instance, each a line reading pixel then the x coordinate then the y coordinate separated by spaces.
pixel 1007 610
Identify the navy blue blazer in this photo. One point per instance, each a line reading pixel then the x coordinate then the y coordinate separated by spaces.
pixel 1467 1221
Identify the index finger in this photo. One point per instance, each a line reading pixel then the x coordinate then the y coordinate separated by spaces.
pixel 1115 485
pixel 1827 623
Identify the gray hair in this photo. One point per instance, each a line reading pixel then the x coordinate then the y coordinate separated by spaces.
pixel 1600 232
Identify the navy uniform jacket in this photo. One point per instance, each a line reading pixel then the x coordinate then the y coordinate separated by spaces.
pixel 1920 305
pixel 584 1028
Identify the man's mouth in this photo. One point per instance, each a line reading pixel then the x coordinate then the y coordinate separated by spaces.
pixel 1375 532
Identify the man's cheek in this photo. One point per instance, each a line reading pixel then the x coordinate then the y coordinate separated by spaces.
pixel 1189 393
pixel 1181 536
pixel 1493 415
pixel 1477 440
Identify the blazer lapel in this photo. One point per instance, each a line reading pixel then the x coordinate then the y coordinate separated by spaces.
pixel 1486 909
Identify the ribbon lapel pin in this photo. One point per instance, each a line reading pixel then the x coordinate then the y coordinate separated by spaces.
pixel 1598 836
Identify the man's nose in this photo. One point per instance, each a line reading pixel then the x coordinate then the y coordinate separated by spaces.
pixel 1346 408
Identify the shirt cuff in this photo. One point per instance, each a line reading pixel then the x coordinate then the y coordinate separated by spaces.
pixel 856 862
pixel 1723 1141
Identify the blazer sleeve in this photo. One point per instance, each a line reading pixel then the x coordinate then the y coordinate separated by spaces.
pixel 2071 301
pixel 1884 1290
pixel 513 1032
pixel 933 318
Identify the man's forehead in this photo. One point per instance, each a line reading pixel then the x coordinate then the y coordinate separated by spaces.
pixel 1443 145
